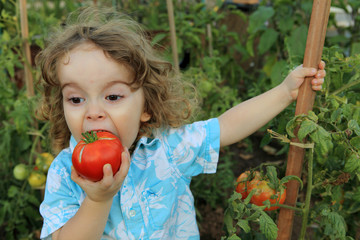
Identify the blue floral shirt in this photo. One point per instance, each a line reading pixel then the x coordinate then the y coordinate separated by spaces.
pixel 155 201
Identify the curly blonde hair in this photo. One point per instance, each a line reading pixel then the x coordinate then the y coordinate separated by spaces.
pixel 169 100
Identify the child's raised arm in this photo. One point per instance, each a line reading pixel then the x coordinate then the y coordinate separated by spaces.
pixel 244 119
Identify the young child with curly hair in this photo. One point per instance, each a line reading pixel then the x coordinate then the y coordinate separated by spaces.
pixel 99 72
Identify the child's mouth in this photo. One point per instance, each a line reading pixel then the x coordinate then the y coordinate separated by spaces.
pixel 97 131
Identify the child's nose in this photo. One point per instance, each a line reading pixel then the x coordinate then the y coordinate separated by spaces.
pixel 95 113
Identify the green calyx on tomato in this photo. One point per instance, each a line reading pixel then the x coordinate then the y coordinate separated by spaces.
pixel 94 151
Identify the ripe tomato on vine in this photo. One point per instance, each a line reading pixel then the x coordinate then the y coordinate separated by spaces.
pixel 262 190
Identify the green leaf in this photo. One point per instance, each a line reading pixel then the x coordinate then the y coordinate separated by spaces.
pixel 353 125
pixel 334 224
pixel 234 237
pixel 267 40
pixel 258 18
pixel 290 127
pixel 5 36
pixel 352 163
pixel 296 44
pixel 291 177
pixel 306 128
pixel 268 227
pixel 312 116
pixel 285 24
pixel 273 179
pixel 12 191
pixel 277 72
pixel 356 195
pixel 228 221
pixel 254 216
pixel 323 143
pixel 355 142
pixel 244 225
pixel 336 115
pixel 158 38
pixel 250 45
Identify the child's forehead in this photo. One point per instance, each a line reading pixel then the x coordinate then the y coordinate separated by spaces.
pixel 86 49
pixel 89 57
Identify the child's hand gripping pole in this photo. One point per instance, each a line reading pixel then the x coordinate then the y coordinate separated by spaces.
pixel 305 100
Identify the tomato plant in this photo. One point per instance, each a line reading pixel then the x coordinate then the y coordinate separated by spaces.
pixel 94 151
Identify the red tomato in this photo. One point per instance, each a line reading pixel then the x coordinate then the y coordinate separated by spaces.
pixel 264 192
pixel 94 151
pixel 244 182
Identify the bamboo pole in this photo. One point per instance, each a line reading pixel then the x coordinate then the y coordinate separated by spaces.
pixel 175 56
pixel 26 49
pixel 314 46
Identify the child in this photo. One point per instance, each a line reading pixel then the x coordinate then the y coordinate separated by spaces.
pixel 100 73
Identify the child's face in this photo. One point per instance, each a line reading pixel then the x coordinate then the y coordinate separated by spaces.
pixel 96 96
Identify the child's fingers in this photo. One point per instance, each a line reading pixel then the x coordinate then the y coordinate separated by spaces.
pixel 316 87
pixel 125 164
pixel 317 81
pixel 108 178
pixel 76 177
pixel 321 74
pixel 322 65
pixel 305 72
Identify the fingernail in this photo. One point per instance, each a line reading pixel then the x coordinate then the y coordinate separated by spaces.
pixel 313 70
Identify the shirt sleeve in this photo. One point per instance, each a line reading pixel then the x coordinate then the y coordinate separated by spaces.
pixel 62 196
pixel 194 148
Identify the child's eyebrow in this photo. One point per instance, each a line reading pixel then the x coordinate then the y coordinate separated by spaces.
pixel 119 81
pixel 69 84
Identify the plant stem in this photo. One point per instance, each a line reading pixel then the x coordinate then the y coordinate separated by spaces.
pixel 35 142
pixel 346 86
pixel 308 196
pixel 287 206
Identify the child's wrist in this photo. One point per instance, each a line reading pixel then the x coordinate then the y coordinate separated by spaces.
pixel 287 94
pixel 99 201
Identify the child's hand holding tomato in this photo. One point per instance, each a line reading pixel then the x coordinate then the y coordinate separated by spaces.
pixel 109 185
pixel 100 165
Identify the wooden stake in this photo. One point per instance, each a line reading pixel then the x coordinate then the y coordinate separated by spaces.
pixel 26 49
pixel 314 46
pixel 175 56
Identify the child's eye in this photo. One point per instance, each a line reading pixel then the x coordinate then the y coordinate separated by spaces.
pixel 113 97
pixel 76 100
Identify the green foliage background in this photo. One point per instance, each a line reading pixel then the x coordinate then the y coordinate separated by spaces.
pixel 227 68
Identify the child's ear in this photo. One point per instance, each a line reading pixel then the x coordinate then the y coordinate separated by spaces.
pixel 145 117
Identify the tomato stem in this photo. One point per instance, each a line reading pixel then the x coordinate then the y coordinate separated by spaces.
pixel 89 137
pixel 286 206
pixel 308 195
